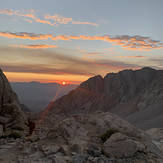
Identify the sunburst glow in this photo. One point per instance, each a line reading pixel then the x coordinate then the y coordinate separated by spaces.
pixel 63 83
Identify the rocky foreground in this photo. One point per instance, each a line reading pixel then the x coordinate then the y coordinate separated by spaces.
pixel 98 138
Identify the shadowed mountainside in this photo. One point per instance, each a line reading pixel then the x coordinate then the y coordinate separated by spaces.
pixel 134 95
pixel 12 118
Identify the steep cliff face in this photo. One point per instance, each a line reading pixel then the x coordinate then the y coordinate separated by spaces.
pixel 127 93
pixel 12 118
pixel 127 84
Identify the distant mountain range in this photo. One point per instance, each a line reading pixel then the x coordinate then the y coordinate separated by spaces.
pixel 134 95
pixel 36 96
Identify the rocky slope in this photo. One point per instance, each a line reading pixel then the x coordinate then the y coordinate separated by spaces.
pixel 12 118
pixel 134 95
pixel 95 138
pixel 156 135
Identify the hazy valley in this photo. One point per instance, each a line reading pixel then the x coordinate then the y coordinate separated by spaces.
pixel 36 96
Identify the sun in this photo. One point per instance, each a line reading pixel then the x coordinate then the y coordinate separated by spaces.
pixel 63 83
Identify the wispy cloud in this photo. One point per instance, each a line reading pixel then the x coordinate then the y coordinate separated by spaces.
pixel 158 62
pixel 35 46
pixel 137 56
pixel 35 61
pixel 41 69
pixel 125 41
pixel 25 35
pixel 87 23
pixel 53 20
pixel 6 11
pixel 58 19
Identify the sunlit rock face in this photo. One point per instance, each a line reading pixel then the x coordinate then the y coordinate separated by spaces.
pixel 134 95
pixel 12 118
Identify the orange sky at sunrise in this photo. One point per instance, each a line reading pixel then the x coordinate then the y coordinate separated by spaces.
pixel 71 41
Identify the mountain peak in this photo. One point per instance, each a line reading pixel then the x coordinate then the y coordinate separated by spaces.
pixel 122 93
pixel 95 84
pixel 148 68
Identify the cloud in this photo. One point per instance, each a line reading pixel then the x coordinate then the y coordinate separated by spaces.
pixel 116 65
pixel 35 46
pixel 137 56
pixel 88 23
pixel 46 62
pixel 27 13
pixel 44 69
pixel 157 62
pixel 40 69
pixel 6 11
pixel 58 19
pixel 25 35
pixel 125 41
pixel 52 20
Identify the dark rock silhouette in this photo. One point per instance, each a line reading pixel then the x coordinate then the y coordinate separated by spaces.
pixel 12 118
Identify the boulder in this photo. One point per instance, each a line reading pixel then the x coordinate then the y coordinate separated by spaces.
pixel 104 135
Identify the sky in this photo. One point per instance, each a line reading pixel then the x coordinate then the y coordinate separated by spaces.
pixel 72 40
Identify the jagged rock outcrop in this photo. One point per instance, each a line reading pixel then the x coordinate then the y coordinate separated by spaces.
pixel 134 95
pixel 95 84
pixel 12 118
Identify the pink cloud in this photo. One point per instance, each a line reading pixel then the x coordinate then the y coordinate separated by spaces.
pixel 24 35
pixel 124 41
pixel 35 46
pixel 138 56
pixel 87 23
pixel 48 19
pixel 58 19
pixel 6 11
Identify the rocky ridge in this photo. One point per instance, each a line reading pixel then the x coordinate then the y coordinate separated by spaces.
pixel 134 95
pixel 12 118
pixel 95 138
